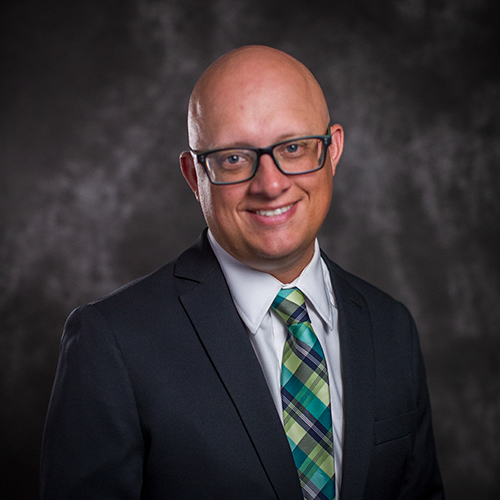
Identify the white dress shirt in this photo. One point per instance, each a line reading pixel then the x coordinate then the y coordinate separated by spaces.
pixel 253 293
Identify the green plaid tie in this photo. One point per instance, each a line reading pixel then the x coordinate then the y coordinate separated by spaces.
pixel 306 399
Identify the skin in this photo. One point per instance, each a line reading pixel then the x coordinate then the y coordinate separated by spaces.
pixel 258 96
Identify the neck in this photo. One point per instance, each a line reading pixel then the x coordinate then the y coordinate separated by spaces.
pixel 288 272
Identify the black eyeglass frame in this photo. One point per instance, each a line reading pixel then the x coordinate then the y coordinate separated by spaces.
pixel 201 156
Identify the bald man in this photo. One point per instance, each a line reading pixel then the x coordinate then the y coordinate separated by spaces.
pixel 252 366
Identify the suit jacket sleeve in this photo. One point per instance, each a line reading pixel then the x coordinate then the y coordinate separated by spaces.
pixel 92 447
pixel 423 479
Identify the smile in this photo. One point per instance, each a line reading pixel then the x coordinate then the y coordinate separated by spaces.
pixel 277 211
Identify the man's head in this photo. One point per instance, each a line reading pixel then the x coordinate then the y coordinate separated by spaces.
pixel 255 97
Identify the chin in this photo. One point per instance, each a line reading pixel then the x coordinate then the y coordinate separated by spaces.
pixel 277 259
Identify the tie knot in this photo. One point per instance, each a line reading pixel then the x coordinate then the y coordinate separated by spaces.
pixel 290 305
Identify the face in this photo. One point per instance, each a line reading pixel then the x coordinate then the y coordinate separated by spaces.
pixel 271 221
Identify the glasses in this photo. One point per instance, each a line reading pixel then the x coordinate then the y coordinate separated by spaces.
pixel 293 157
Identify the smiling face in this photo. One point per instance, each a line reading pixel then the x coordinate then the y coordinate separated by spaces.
pixel 257 96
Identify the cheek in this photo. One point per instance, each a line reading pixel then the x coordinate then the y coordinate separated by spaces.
pixel 218 203
pixel 320 200
pixel 320 190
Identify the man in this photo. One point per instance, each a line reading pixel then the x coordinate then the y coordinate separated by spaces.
pixel 190 383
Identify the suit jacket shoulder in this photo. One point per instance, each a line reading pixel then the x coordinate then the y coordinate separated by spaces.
pixel 366 289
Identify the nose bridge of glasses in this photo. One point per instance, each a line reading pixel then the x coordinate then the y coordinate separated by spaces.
pixel 266 151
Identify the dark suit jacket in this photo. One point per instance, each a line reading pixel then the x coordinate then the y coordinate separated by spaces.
pixel 159 395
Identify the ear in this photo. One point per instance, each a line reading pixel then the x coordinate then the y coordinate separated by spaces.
pixel 337 146
pixel 188 168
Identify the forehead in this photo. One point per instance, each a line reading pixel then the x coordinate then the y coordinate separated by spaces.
pixel 256 104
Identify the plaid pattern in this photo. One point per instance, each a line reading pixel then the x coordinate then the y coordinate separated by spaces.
pixel 306 399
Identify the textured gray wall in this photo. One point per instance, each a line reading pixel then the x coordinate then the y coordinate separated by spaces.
pixel 93 100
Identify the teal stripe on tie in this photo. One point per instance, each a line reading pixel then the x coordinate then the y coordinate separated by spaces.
pixel 305 396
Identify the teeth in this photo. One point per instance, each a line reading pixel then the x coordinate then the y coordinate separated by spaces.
pixel 270 213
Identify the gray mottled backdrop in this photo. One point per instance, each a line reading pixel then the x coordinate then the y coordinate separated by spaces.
pixel 92 120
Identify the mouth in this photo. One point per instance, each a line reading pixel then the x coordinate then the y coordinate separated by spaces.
pixel 275 212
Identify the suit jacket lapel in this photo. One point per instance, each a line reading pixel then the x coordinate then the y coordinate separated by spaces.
pixel 357 355
pixel 208 303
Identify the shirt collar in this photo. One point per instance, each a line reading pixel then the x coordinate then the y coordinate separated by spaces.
pixel 253 291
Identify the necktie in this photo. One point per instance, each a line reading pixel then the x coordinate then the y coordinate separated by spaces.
pixel 305 397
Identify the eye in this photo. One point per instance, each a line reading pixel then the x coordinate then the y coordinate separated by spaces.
pixel 232 159
pixel 292 148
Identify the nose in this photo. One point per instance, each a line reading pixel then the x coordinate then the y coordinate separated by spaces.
pixel 268 180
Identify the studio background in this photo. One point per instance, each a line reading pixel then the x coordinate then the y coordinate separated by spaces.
pixel 93 99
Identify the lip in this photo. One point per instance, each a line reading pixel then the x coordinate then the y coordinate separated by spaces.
pixel 273 215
